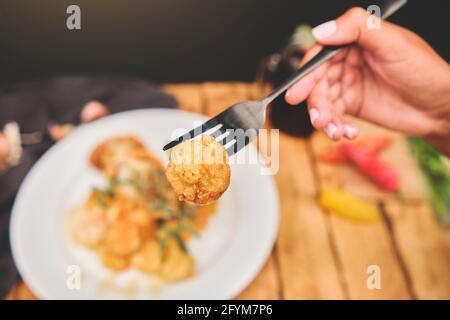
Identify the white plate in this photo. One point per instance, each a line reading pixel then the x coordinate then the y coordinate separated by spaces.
pixel 228 254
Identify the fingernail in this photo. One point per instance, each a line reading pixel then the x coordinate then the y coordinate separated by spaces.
pixel 330 130
pixel 314 115
pixel 288 93
pixel 350 131
pixel 324 30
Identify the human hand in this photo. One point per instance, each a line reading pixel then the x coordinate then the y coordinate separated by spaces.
pixel 4 149
pixel 93 110
pixel 390 76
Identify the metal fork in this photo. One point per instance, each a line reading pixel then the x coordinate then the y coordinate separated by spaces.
pixel 240 124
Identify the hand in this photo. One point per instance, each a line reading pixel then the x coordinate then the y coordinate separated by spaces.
pixel 4 149
pixel 390 76
pixel 93 110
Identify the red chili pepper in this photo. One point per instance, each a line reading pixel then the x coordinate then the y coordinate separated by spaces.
pixel 370 145
pixel 382 174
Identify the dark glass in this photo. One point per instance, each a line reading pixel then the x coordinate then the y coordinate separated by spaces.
pixel 293 120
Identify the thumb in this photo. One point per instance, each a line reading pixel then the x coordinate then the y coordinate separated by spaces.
pixel 358 26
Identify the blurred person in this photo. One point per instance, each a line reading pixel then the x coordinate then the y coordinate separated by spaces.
pixel 389 76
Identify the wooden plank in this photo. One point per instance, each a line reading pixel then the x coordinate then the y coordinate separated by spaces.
pixel 424 246
pixel 265 286
pixel 11 295
pixel 189 96
pixel 418 248
pixel 219 96
pixel 307 263
pixel 359 246
pixel 362 246
pixel 21 292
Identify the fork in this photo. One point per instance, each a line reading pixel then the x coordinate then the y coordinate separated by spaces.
pixel 240 124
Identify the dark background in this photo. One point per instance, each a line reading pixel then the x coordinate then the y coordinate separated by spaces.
pixel 173 40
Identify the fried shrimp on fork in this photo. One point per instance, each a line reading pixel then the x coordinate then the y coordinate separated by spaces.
pixel 198 170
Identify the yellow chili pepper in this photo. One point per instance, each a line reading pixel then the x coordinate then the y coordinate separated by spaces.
pixel 346 205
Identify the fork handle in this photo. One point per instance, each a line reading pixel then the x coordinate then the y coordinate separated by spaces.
pixel 388 8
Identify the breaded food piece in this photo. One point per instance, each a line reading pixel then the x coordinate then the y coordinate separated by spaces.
pixel 108 154
pixel 149 257
pixel 87 226
pixel 143 221
pixel 136 172
pixel 147 176
pixel 113 261
pixel 177 264
pixel 198 170
pixel 122 238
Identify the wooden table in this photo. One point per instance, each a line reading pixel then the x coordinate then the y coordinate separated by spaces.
pixel 319 255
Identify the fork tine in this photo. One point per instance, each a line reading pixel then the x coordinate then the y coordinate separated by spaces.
pixel 233 149
pixel 242 138
pixel 224 138
pixel 192 134
pixel 218 132
pixel 247 117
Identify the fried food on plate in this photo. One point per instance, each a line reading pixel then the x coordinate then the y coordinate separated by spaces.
pixel 135 172
pixel 177 264
pixel 88 226
pixel 136 220
pixel 149 257
pixel 112 152
pixel 198 170
pixel 113 261
pixel 122 238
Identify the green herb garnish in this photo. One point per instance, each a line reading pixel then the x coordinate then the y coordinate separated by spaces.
pixel 437 174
